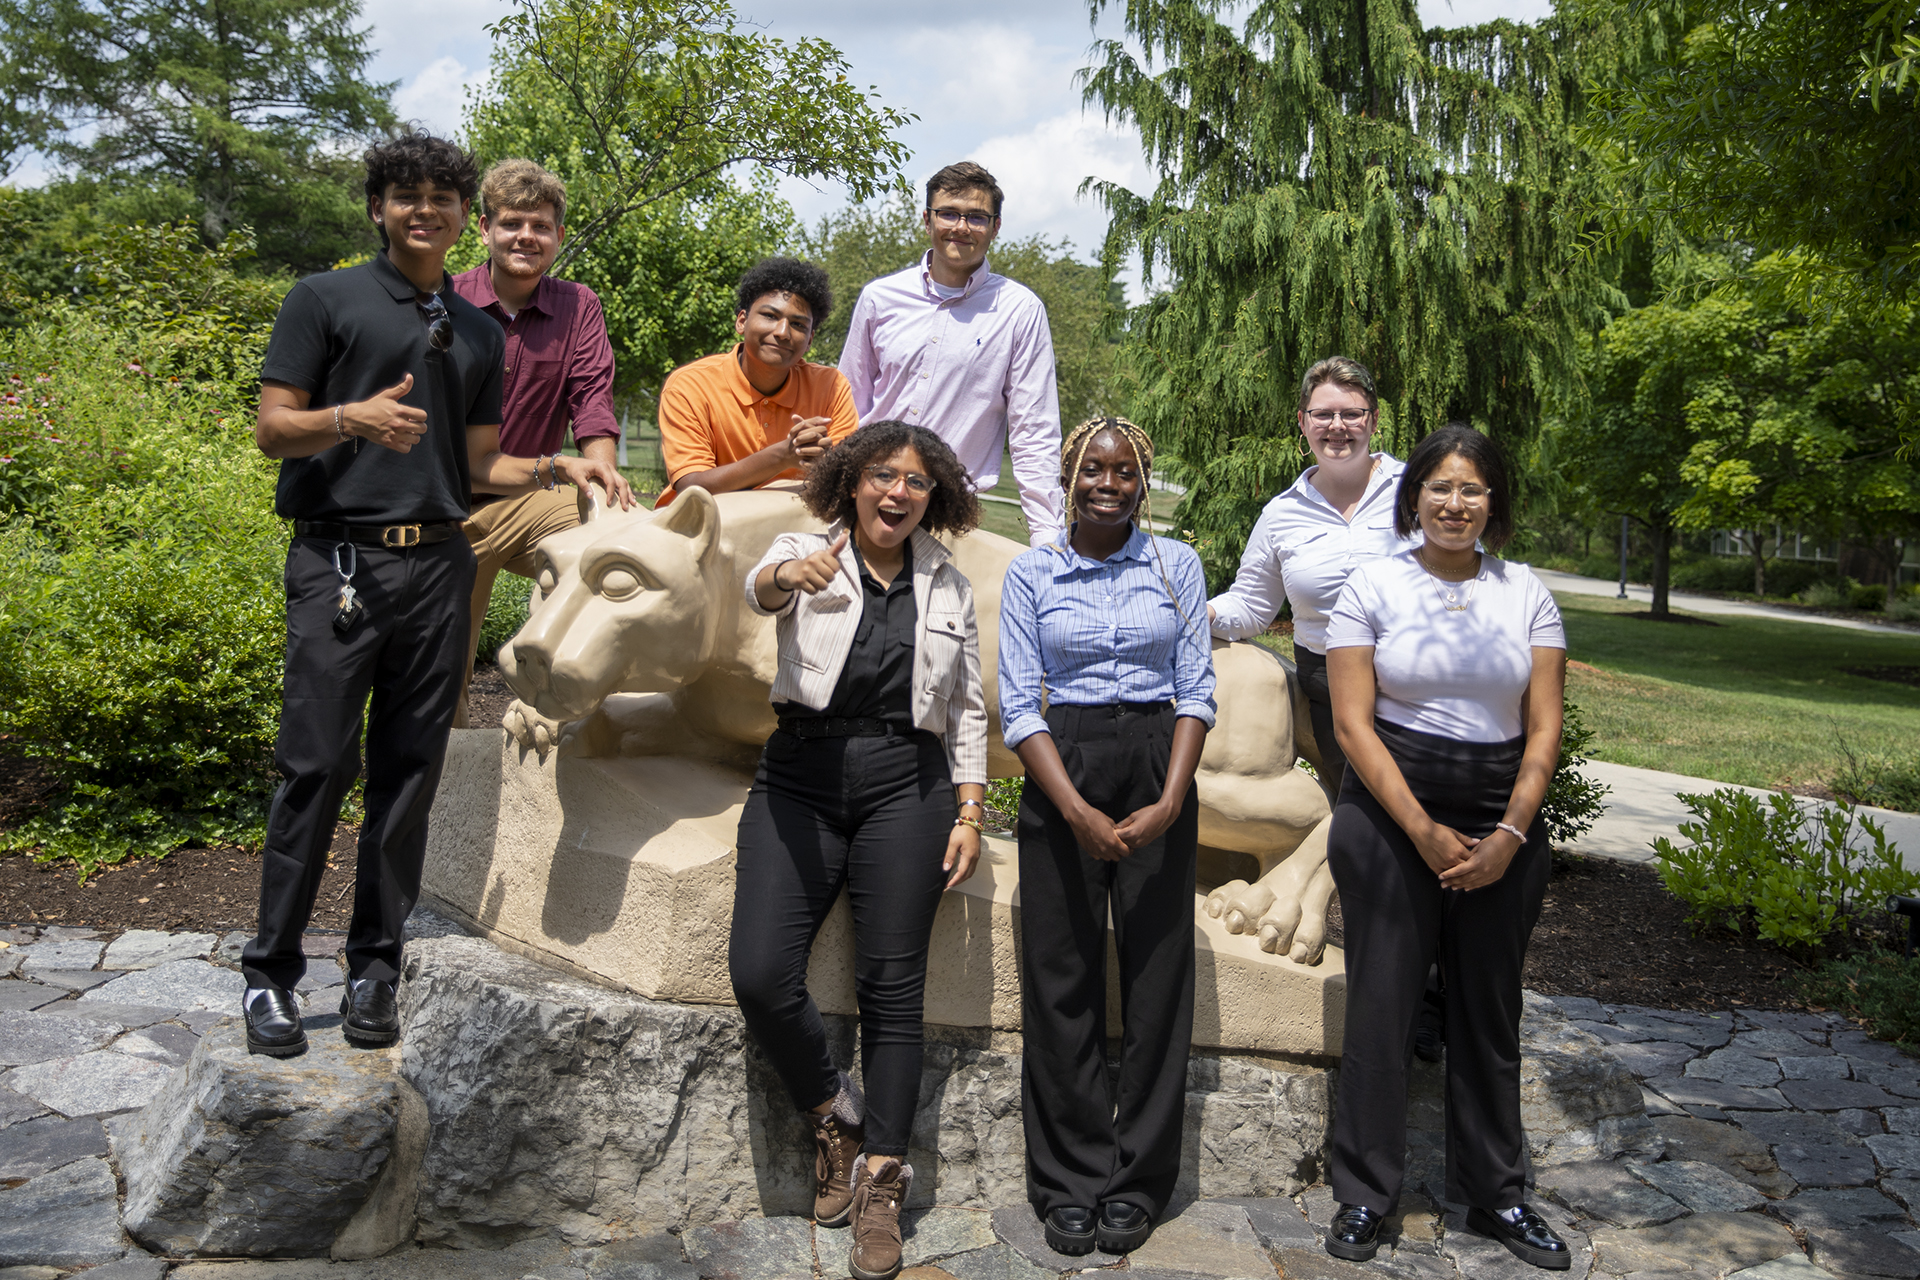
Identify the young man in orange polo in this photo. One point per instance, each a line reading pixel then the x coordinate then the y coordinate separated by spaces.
pixel 760 412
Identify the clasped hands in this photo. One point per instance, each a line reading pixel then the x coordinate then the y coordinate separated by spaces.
pixel 1110 841
pixel 1461 861
pixel 807 440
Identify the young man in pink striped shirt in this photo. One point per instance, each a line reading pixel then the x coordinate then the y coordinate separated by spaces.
pixel 948 345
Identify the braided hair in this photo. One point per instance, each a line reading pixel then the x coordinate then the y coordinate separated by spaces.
pixel 1073 450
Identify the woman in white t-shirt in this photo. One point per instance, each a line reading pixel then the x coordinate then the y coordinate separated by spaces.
pixel 1338 514
pixel 1447 668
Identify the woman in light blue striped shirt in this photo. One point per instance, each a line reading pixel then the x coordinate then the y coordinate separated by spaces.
pixel 1112 628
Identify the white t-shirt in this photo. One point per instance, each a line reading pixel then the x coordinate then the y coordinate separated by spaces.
pixel 1457 674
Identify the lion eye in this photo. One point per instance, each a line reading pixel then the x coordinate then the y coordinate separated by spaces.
pixel 546 579
pixel 618 583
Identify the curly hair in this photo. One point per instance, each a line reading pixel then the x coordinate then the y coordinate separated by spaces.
pixel 951 507
pixel 1457 438
pixel 415 158
pixel 786 275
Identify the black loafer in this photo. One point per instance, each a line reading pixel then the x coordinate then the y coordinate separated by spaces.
pixel 1355 1233
pixel 371 1013
pixel 1429 1042
pixel 1122 1228
pixel 1530 1239
pixel 1070 1231
pixel 273 1023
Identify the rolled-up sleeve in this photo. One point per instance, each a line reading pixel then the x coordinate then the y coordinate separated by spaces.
pixel 1021 673
pixel 967 713
pixel 1249 606
pixel 1193 655
pixel 785 547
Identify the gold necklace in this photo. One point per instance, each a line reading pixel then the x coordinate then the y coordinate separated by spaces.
pixel 1449 592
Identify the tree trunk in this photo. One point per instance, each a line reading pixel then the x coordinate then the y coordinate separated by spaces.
pixel 1662 562
pixel 1759 548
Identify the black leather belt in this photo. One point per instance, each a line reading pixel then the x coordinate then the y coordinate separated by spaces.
pixel 837 727
pixel 379 535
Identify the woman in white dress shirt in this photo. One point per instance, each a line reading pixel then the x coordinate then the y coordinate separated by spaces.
pixel 1338 514
pixel 1447 669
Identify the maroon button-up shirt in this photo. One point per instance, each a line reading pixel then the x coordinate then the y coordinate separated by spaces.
pixel 559 364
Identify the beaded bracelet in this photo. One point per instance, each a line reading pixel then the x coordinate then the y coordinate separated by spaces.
pixel 338 430
pixel 964 821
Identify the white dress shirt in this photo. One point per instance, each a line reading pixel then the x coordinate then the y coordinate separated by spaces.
pixel 975 368
pixel 1302 550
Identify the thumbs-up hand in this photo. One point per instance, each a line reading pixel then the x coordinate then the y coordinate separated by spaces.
pixel 812 573
pixel 385 420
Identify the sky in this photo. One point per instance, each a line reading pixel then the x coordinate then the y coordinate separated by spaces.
pixel 991 80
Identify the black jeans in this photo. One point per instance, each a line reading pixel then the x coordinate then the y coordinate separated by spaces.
pixel 1089 1142
pixel 1313 682
pixel 1399 922
pixel 408 651
pixel 874 815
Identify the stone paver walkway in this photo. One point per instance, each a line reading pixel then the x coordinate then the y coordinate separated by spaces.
pixel 1787 1148
pixel 1574 584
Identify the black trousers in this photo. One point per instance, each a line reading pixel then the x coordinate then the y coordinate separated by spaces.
pixel 1399 922
pixel 408 651
pixel 1089 1141
pixel 874 815
pixel 1313 682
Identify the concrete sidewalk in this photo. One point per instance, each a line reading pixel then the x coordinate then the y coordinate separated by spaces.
pixel 1574 584
pixel 1644 805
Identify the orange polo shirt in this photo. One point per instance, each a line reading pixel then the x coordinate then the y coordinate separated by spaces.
pixel 711 415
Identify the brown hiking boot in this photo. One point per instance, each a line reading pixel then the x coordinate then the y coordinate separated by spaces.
pixel 877 1200
pixel 837 1138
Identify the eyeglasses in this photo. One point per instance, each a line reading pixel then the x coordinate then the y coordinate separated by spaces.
pixel 884 478
pixel 1348 417
pixel 954 217
pixel 1443 490
pixel 439 323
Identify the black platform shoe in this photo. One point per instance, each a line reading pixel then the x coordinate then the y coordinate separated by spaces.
pixel 273 1023
pixel 1069 1230
pixel 371 1013
pixel 1355 1233
pixel 1122 1228
pixel 1530 1239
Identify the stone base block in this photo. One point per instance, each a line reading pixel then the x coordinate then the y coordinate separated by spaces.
pixel 241 1154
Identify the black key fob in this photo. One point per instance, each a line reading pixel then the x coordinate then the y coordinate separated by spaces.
pixel 351 611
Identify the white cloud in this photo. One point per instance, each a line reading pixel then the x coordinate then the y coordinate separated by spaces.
pixel 409 36
pixel 436 97
pixel 1041 169
pixel 1471 13
pixel 1006 77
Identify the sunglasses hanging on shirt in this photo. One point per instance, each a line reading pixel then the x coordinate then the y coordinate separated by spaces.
pixel 439 323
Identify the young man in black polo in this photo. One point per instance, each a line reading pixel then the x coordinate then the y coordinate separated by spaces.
pixel 381 397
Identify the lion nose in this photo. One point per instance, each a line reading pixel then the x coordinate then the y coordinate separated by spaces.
pixel 530 674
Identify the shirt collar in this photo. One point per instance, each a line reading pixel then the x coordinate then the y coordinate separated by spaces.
pixel 398 285
pixel 487 296
pixel 974 281
pixel 1135 548
pixel 748 395
pixel 1386 471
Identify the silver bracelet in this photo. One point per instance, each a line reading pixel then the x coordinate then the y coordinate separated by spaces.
pixel 337 429
pixel 1512 830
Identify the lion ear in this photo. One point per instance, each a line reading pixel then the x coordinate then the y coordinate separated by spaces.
pixel 695 516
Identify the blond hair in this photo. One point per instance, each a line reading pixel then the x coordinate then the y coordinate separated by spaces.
pixel 1073 451
pixel 523 186
pixel 1341 371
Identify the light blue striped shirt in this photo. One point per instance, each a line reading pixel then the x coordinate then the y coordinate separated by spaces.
pixel 1099 632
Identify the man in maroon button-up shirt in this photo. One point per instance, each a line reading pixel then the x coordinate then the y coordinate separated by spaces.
pixel 559 367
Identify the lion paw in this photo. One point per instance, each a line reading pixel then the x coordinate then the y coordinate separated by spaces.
pixel 535 732
pixel 1239 905
pixel 1297 927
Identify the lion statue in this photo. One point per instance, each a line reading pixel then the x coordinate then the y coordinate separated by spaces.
pixel 639 643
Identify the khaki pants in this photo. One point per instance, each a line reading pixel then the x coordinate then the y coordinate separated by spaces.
pixel 504 535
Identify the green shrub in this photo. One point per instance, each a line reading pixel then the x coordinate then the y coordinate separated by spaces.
pixel 1795 877
pixel 1824 595
pixel 1888 781
pixel 1714 573
pixel 1573 801
pixel 1871 596
pixel 1904 607
pixel 506 614
pixel 1880 988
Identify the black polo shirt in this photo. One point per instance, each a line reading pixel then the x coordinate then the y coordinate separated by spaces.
pixel 877 681
pixel 345 335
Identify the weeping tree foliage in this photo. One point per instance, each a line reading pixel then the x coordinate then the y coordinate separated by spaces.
pixel 1334 179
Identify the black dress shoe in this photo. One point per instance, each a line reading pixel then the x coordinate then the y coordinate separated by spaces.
pixel 273 1023
pixel 1123 1227
pixel 1355 1233
pixel 1530 1239
pixel 1070 1230
pixel 371 1012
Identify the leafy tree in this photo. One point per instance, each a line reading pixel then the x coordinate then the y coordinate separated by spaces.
pixel 1334 179
pixel 638 101
pixel 242 103
pixel 1791 128
pixel 865 242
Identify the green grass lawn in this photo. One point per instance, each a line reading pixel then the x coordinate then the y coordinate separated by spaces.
pixel 1750 701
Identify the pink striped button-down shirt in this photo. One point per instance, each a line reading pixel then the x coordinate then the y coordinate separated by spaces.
pixel 975 368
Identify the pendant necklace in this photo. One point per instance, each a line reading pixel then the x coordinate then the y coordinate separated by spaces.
pixel 1449 592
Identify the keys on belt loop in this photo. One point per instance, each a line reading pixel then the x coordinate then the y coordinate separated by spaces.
pixel 351 610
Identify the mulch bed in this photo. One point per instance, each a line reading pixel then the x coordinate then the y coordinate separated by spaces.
pixel 1681 619
pixel 1896 675
pixel 1609 929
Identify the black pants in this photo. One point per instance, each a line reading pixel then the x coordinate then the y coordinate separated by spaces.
pixel 408 651
pixel 1089 1142
pixel 873 814
pixel 1313 682
pixel 1399 922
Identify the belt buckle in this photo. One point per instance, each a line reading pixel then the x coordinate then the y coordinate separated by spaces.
pixel 400 535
